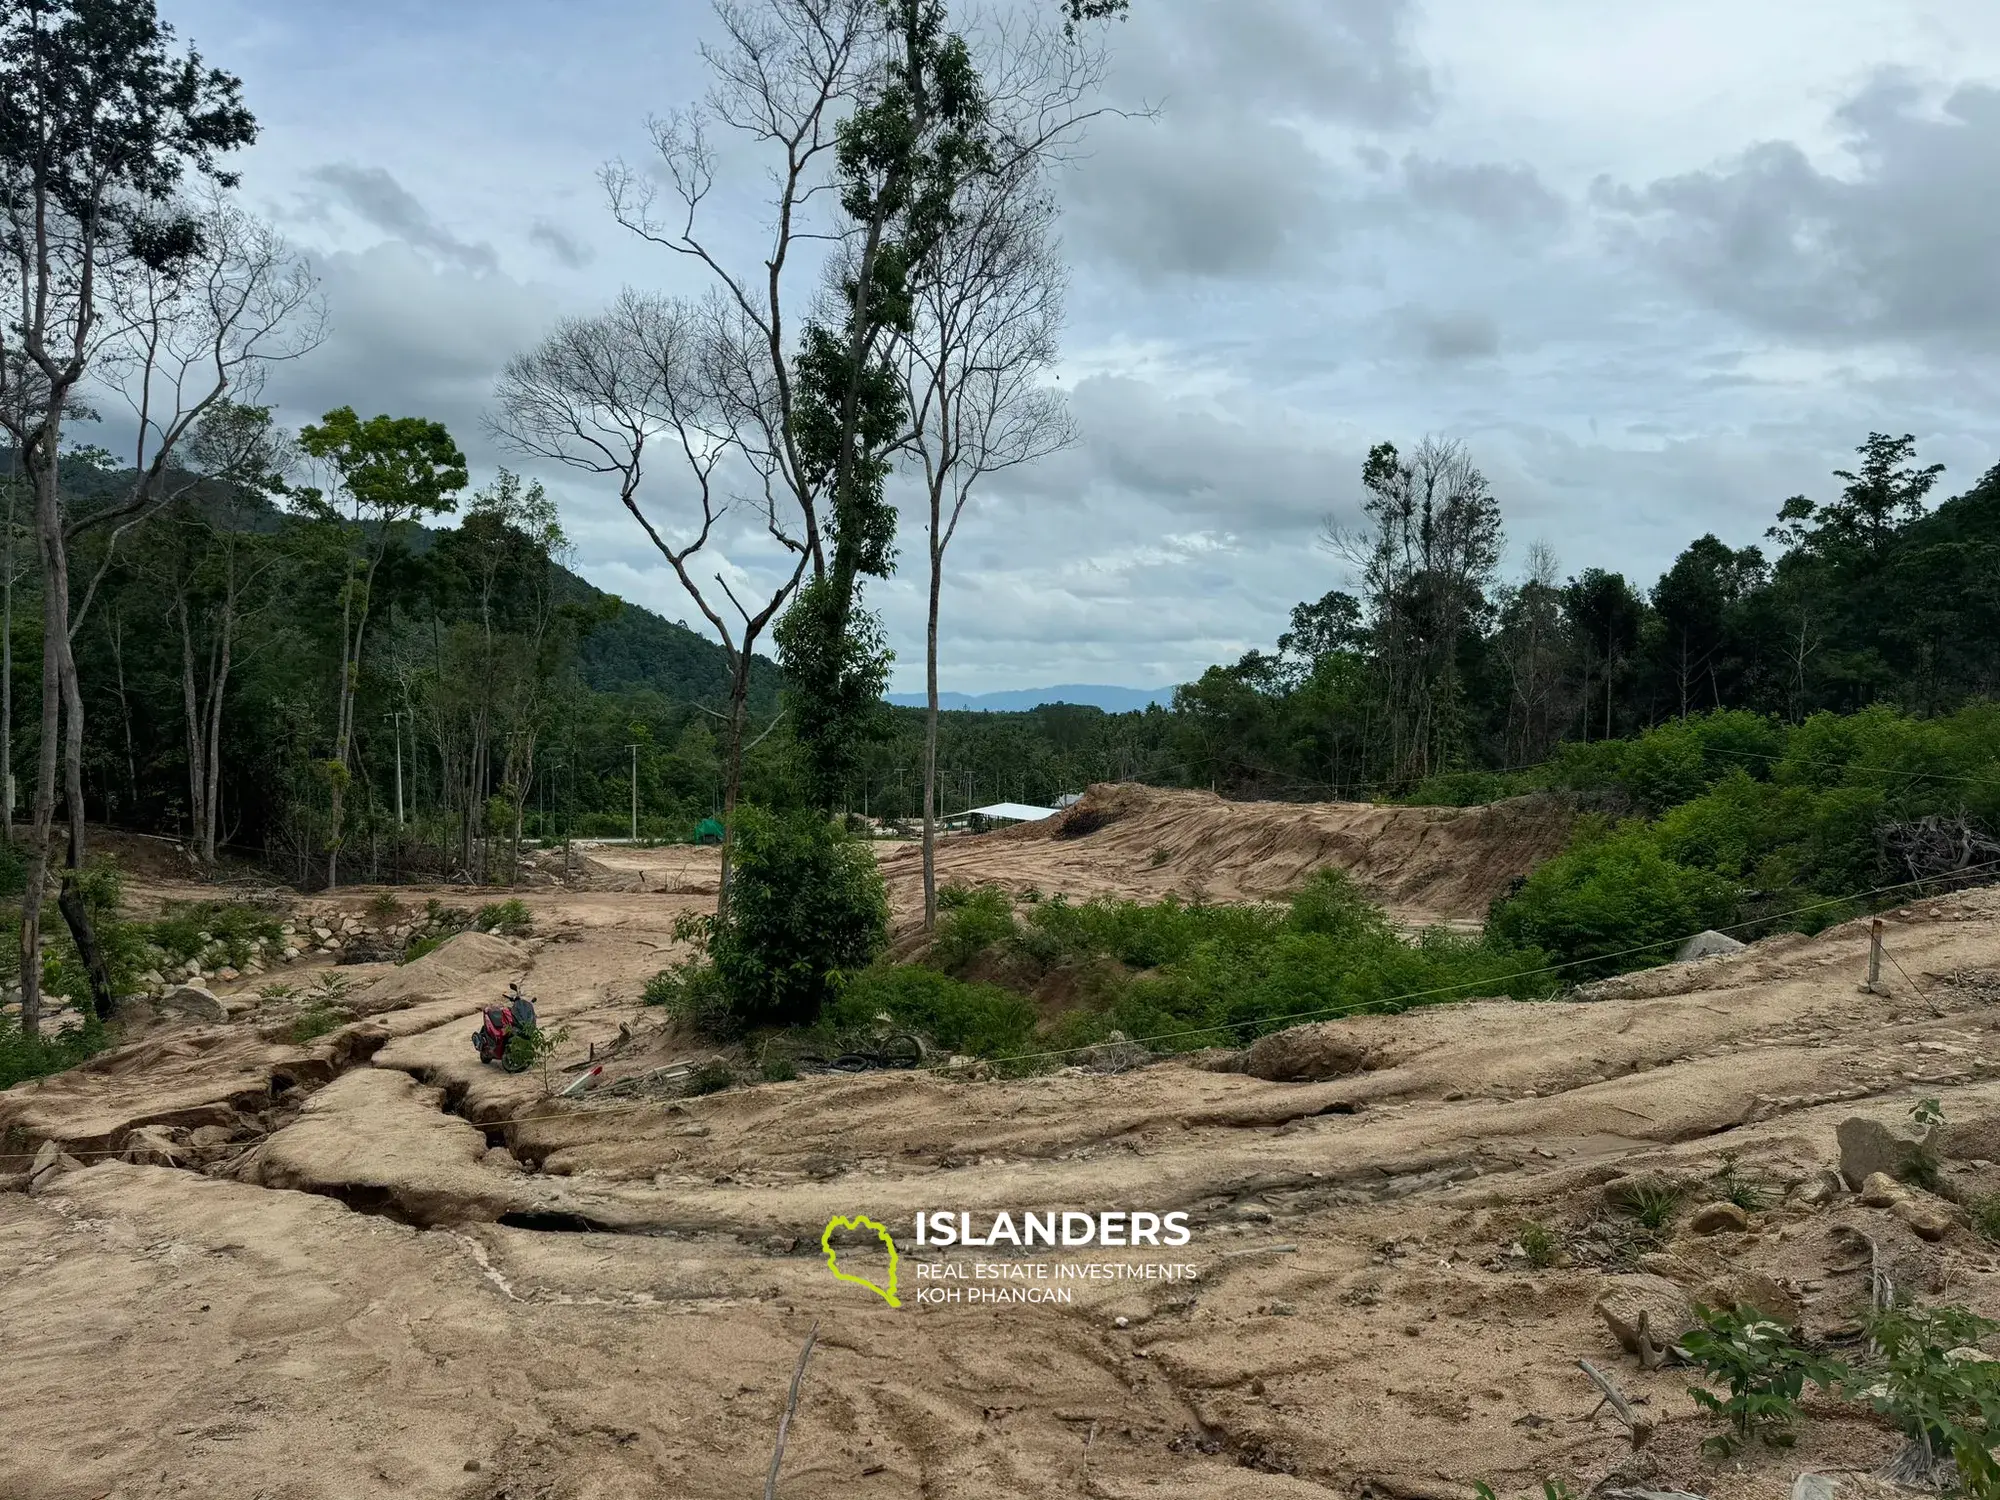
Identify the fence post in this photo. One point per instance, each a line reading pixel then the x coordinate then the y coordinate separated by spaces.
pixel 1874 985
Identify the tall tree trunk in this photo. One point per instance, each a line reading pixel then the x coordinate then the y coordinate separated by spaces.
pixel 732 782
pixel 218 687
pixel 198 819
pixel 7 664
pixel 115 629
pixel 931 733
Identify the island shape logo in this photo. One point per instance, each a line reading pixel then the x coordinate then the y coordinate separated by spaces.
pixel 887 1294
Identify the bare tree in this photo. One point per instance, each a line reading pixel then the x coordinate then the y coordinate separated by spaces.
pixel 656 377
pixel 788 77
pixel 988 312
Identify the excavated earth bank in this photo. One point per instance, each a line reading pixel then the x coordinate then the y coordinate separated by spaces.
pixel 364 1266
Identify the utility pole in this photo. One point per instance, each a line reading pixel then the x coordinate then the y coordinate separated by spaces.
pixel 635 791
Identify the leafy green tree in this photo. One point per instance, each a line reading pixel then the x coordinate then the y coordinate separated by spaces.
pixel 918 134
pixel 807 911
pixel 381 475
pixel 101 121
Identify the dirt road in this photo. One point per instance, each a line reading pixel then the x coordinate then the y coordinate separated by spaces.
pixel 364 1266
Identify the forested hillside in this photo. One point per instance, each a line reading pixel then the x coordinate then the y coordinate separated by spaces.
pixel 1436 679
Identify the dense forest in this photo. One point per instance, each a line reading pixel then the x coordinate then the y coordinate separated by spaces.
pixel 509 695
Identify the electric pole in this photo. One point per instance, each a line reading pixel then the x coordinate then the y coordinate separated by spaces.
pixel 635 791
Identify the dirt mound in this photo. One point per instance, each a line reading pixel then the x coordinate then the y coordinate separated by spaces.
pixel 1424 864
pixel 465 966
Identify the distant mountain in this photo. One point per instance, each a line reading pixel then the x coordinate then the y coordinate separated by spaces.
pixel 636 648
pixel 1113 700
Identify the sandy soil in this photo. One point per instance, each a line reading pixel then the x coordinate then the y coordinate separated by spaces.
pixel 1423 864
pixel 364 1266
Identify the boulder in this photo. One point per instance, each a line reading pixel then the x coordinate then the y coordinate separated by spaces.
pixel 1752 1291
pixel 1819 1190
pixel 1927 1219
pixel 1719 1218
pixel 1880 1190
pixel 1707 945
pixel 1871 1146
pixel 194 1002
pixel 1665 1307
pixel 1305 1054
pixel 208 1137
pixel 50 1163
pixel 154 1146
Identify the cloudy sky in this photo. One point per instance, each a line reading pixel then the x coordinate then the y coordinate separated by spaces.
pixel 1659 264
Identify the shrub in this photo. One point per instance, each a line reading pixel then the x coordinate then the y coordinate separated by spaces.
pixel 510 917
pixel 1947 1404
pixel 1653 1203
pixel 692 991
pixel 1764 1370
pixel 1256 969
pixel 974 921
pixel 1539 1244
pixel 23 1057
pixel 778 1069
pixel 1466 789
pixel 316 1020
pixel 711 1078
pixel 806 907
pixel 981 1019
pixel 1611 892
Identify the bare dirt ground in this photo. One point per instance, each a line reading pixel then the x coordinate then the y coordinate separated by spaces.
pixel 362 1265
pixel 1424 865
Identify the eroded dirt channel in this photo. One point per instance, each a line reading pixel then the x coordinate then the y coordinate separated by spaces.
pixel 367 1266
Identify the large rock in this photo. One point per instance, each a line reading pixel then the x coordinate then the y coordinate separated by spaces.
pixel 1664 1306
pixel 1751 1291
pixel 155 1146
pixel 1880 1190
pixel 1305 1054
pixel 1871 1146
pixel 1707 945
pixel 1928 1219
pixel 469 966
pixel 1719 1218
pixel 194 1002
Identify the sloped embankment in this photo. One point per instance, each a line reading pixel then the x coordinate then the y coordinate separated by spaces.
pixel 1424 864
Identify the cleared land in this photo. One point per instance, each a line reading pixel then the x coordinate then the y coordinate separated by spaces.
pixel 362 1265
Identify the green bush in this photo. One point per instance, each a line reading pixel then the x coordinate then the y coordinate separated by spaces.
pixel 972 923
pixel 1947 1404
pixel 1467 788
pixel 982 1019
pixel 510 917
pixel 1764 1370
pixel 711 1078
pixel 1145 935
pixel 23 1057
pixel 806 909
pixel 1612 891
pixel 1329 953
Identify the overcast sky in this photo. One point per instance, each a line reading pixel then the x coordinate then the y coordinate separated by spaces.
pixel 1659 264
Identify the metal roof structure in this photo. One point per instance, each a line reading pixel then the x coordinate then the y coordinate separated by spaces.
pixel 1011 812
